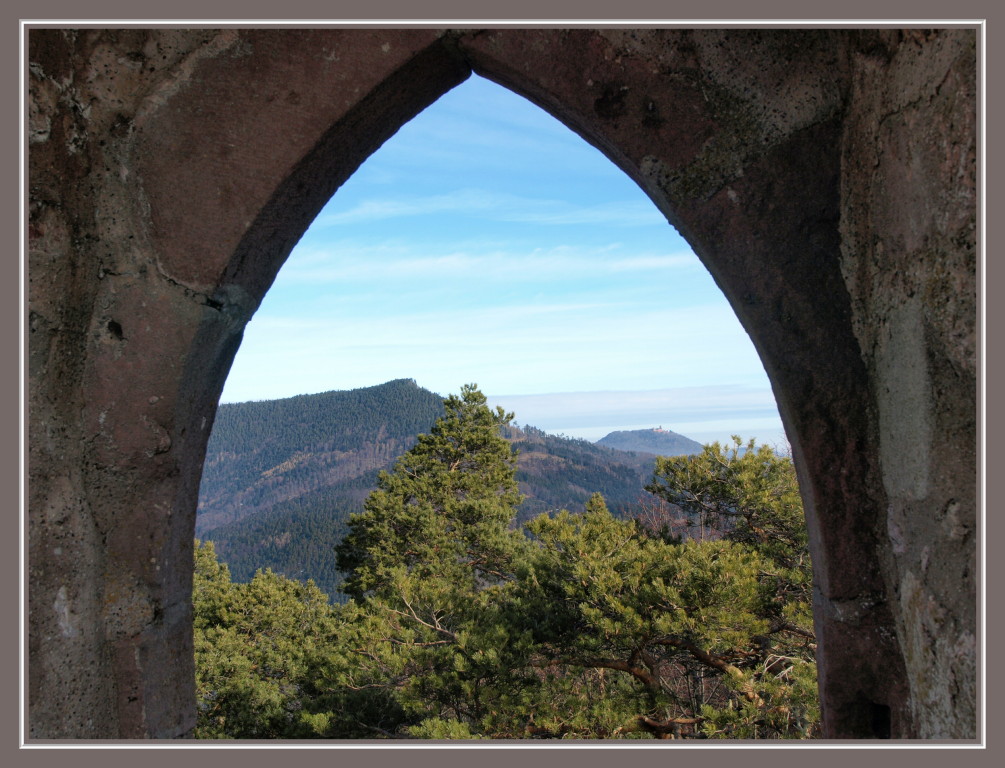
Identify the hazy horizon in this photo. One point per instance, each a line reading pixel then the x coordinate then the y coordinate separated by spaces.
pixel 485 242
pixel 692 412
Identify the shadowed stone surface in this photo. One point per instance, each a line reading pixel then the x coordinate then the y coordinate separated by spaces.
pixel 827 179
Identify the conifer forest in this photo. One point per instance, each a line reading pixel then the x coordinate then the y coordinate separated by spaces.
pixel 462 613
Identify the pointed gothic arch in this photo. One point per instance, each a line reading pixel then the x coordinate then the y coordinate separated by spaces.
pixel 172 171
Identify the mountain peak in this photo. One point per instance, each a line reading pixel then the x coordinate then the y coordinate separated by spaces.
pixel 658 441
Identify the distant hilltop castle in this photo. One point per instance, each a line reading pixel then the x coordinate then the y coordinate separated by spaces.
pixel 657 441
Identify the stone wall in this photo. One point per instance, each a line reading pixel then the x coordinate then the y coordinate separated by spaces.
pixel 826 178
pixel 908 257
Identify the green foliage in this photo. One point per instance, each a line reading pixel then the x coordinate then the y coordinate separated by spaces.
pixel 611 589
pixel 461 626
pixel 749 495
pixel 667 617
pixel 444 512
pixel 266 654
pixel 440 729
pixel 257 648
pixel 557 472
pixel 430 557
pixel 282 477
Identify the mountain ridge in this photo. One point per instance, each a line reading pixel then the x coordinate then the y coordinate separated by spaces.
pixel 281 477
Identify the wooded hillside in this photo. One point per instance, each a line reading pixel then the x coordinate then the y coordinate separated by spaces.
pixel 281 477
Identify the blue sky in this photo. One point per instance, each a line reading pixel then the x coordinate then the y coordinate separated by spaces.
pixel 485 242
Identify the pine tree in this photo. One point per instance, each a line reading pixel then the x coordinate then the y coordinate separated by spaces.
pixel 461 626
pixel 749 496
pixel 444 512
pixel 427 561
pixel 259 648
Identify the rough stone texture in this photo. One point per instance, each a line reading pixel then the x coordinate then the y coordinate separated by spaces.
pixel 826 178
pixel 909 258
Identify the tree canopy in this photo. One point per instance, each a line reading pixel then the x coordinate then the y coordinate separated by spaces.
pixel 444 512
pixel 462 625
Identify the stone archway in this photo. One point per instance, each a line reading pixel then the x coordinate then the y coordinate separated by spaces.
pixel 826 178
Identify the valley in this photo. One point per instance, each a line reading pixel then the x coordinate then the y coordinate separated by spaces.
pixel 282 477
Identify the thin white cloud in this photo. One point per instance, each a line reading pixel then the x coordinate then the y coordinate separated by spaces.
pixel 517 349
pixel 496 206
pixel 706 413
pixel 374 210
pixel 611 214
pixel 597 406
pixel 414 270
pixel 389 261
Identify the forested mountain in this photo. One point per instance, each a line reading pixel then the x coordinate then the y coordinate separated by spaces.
pixel 658 441
pixel 459 624
pixel 562 473
pixel 281 477
pixel 263 453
